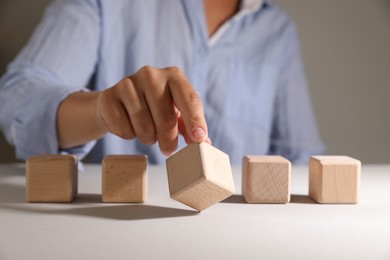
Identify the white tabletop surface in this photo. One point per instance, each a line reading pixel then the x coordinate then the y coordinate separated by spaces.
pixel 165 229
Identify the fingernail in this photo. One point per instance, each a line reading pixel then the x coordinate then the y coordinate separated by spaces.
pixel 199 132
pixel 209 141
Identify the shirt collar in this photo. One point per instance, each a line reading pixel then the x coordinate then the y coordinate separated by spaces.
pixel 247 7
pixel 250 6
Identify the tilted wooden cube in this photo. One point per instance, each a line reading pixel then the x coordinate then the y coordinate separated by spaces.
pixel 266 179
pixel 51 178
pixel 124 178
pixel 334 179
pixel 200 176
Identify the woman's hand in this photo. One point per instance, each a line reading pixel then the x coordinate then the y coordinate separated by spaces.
pixel 154 105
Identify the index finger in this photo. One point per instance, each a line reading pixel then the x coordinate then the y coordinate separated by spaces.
pixel 190 106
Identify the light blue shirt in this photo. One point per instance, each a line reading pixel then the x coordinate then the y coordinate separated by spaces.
pixel 249 75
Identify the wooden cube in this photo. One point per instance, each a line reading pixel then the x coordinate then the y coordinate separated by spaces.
pixel 334 179
pixel 125 178
pixel 199 176
pixel 266 179
pixel 51 178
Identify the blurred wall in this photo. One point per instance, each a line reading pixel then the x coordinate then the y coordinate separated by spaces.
pixel 346 52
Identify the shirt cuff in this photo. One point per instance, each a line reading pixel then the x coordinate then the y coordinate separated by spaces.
pixel 34 128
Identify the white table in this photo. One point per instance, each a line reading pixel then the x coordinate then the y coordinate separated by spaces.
pixel 165 229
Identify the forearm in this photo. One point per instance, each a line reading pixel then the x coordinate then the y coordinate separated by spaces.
pixel 78 121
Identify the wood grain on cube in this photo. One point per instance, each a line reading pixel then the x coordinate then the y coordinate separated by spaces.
pixel 200 176
pixel 334 179
pixel 125 178
pixel 51 178
pixel 266 179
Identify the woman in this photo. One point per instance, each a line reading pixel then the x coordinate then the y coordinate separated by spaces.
pixel 158 69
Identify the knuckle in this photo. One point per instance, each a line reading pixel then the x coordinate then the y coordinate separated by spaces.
pixel 192 98
pixel 174 70
pixel 149 72
pixel 125 87
pixel 147 69
pixel 195 119
pixel 125 83
pixel 127 91
pixel 151 77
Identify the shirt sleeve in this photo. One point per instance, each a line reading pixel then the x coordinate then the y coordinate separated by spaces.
pixel 295 134
pixel 59 59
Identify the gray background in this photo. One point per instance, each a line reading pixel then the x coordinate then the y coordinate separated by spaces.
pixel 346 52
